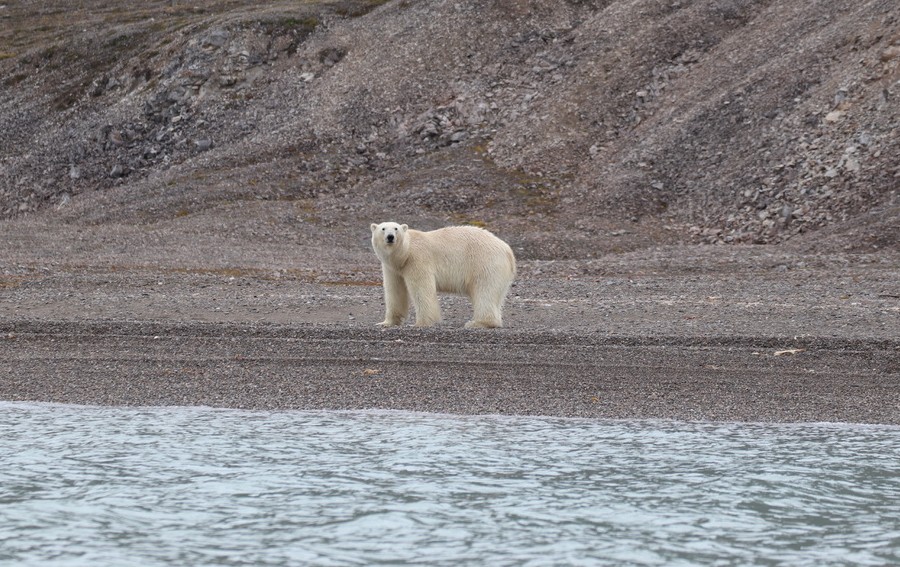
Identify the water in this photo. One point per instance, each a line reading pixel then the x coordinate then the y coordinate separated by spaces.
pixel 199 486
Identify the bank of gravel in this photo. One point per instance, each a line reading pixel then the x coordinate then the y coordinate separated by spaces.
pixel 451 371
pixel 710 333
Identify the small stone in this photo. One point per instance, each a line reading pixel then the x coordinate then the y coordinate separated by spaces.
pixel 203 144
pixel 891 52
pixel 852 165
pixel 117 171
pixel 63 200
pixel 430 130
pixel 834 116
pixel 840 97
pixel 116 138
pixel 786 212
pixel 176 94
pixel 216 38
pixel 459 136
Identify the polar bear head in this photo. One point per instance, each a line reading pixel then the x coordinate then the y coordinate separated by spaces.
pixel 388 234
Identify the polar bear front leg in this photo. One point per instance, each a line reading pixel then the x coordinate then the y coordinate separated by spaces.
pixel 396 300
pixel 425 300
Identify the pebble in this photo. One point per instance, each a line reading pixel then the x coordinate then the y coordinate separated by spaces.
pixel 63 200
pixel 203 144
pixel 890 53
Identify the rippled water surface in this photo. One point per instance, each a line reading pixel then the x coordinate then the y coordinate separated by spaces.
pixel 197 486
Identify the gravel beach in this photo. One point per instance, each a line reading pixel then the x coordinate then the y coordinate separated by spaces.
pixel 693 333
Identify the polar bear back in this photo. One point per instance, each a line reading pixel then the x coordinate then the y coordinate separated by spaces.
pixel 460 257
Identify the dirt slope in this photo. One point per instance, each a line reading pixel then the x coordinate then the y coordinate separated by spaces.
pixel 574 128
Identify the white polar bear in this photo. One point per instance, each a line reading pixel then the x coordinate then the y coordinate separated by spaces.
pixel 464 260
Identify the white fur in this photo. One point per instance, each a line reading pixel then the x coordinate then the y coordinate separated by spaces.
pixel 463 260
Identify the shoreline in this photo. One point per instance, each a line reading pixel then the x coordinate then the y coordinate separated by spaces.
pixel 389 412
pixel 321 367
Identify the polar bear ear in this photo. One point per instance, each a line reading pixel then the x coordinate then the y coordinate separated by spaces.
pixel 373 226
pixel 404 227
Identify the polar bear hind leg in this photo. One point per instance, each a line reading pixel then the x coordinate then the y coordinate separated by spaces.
pixel 487 306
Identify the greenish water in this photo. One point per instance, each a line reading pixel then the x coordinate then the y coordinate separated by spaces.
pixel 199 486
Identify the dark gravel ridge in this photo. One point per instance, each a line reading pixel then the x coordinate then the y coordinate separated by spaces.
pixel 507 337
pixel 456 371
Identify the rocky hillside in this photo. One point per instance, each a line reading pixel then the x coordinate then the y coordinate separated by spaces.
pixel 601 124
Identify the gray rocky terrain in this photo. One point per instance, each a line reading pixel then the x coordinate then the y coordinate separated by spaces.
pixel 702 196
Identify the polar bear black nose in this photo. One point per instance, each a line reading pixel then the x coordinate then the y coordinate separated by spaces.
pixel 390 238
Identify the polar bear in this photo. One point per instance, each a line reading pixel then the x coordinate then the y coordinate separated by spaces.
pixel 464 260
